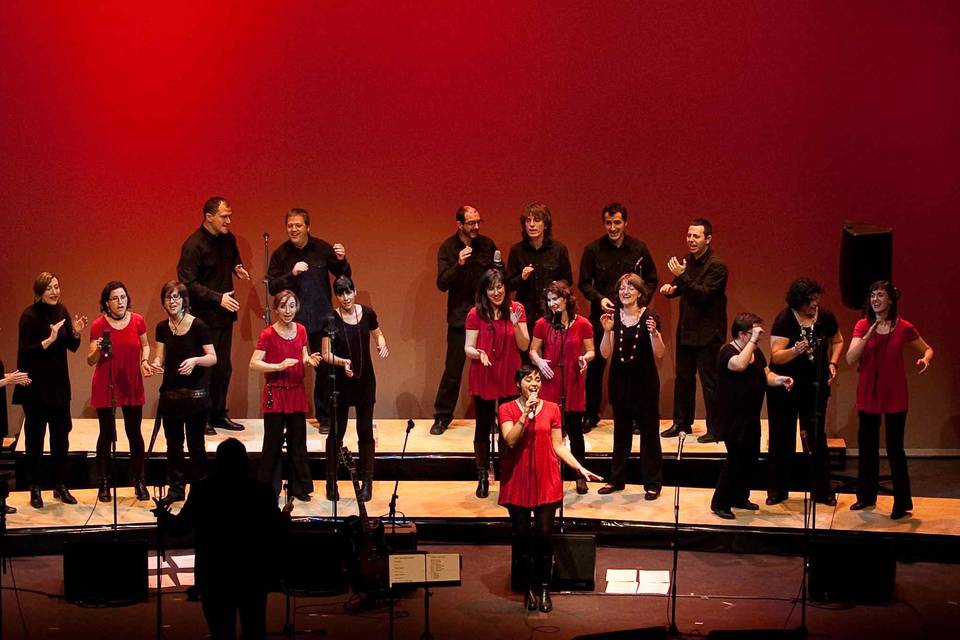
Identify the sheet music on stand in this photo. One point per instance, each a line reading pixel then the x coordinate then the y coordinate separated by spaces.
pixel 425 569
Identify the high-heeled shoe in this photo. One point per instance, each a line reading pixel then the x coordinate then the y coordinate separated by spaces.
pixel 140 489
pixel 546 602
pixel 61 493
pixel 582 486
pixel 36 498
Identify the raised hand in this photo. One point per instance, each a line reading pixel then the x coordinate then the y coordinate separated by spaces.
pixel 607 305
pixel 55 329
pixel 16 377
pixel 677 267
pixel 527 270
pixel 652 327
pixel 668 289
pixel 465 253
pixel 606 321
pixel 300 267
pixel 515 312
pixel 755 333
pixel 339 251
pixel 79 323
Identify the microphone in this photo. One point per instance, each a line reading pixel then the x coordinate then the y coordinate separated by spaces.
pixel 410 426
pixel 533 411
pixel 498 259
pixel 105 345
pixel 266 236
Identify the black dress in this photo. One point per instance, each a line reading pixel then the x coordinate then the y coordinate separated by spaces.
pixel 634 392
pixel 739 401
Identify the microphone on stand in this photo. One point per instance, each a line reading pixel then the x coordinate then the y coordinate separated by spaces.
pixel 266 236
pixel 106 347
pixel 498 260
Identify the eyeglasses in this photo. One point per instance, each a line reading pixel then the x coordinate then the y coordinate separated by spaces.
pixel 472 223
pixel 117 299
pixel 172 296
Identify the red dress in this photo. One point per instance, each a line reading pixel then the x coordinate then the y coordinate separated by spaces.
pixel 127 379
pixel 882 387
pixel 497 339
pixel 530 471
pixel 284 389
pixel 575 382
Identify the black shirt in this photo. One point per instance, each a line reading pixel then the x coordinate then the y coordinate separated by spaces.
pixel 179 348
pixel 313 285
pixel 603 263
pixel 550 262
pixel 702 290
pixel 804 367
pixel 206 266
pixel 740 396
pixel 352 341
pixel 460 281
pixel 634 381
pixel 47 368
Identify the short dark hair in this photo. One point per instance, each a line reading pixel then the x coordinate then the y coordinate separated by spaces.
pixel 41 283
pixel 282 297
pixel 801 291
pixel 462 213
pixel 613 209
pixel 175 285
pixel 108 289
pixel 489 278
pixel 744 322
pixel 342 285
pixel 892 292
pixel 212 204
pixel 536 210
pixel 231 459
pixel 523 372
pixel 637 283
pixel 703 222
pixel 562 290
pixel 296 211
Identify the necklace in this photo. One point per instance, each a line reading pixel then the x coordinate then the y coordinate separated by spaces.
pixel 356 365
pixel 288 333
pixel 621 338
pixel 174 327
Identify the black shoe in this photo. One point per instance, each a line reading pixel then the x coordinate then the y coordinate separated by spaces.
pixel 9 510
pixel 772 500
pixel 707 438
pixel 333 492
pixel 636 429
pixel 323 426
pixel 439 426
pixel 589 424
pixel 140 489
pixel 608 488
pixel 546 602
pixel 749 506
pixel 651 494
pixel 483 484
pixel 103 493
pixel 582 486
pixel 61 493
pixel 726 514
pixel 208 430
pixel 674 431
pixel 366 490
pixel 862 504
pixel 530 599
pixel 193 593
pixel 36 498
pixel 899 514
pixel 829 501
pixel 302 497
pixel 223 422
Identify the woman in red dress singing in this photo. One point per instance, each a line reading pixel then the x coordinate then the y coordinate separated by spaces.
pixel 877 346
pixel 530 479
pixel 121 354
pixel 281 355
pixel 561 348
pixel 496 333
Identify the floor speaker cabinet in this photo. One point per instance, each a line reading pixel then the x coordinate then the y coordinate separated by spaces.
pixel 649 633
pixel 316 562
pixel 756 634
pixel 105 572
pixel 866 255
pixel 859 571
pixel 574 565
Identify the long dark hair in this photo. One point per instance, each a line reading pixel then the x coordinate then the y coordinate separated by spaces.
pixel 892 292
pixel 485 308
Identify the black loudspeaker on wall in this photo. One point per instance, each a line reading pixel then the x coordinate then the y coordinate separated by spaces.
pixel 859 571
pixel 575 561
pixel 105 572
pixel 866 255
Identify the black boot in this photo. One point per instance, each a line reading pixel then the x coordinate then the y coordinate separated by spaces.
pixel 530 601
pixel 546 576
pixel 367 452
pixel 140 488
pixel 366 489
pixel 103 493
pixel 36 498
pixel 333 493
pixel 61 493
pixel 483 483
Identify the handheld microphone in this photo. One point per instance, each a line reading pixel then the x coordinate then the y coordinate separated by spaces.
pixel 105 345
pixel 533 411
pixel 498 259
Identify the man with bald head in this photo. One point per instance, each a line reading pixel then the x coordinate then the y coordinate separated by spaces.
pixel 461 260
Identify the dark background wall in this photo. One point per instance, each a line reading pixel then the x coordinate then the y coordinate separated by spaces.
pixel 779 121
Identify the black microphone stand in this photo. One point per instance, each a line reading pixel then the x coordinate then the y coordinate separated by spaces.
pixel 106 352
pixel 562 331
pixel 4 492
pixel 331 331
pixel 672 630
pixel 266 279
pixel 396 484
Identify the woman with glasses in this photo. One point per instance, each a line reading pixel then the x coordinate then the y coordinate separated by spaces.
pixel 281 355
pixel 496 333
pixel 353 325
pixel 120 353
pixel 184 355
pixel 47 332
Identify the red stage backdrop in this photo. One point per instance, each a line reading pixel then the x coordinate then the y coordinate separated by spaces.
pixel 779 121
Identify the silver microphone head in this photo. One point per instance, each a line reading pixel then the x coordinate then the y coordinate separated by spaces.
pixel 497 257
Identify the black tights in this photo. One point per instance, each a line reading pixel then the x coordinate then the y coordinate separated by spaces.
pixel 533 538
pixel 132 417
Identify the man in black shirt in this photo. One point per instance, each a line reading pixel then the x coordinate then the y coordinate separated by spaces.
pixel 461 260
pixel 304 264
pixel 700 281
pixel 209 260
pixel 604 261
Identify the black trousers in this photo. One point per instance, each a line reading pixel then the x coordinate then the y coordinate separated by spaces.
pixel 651 455
pixel 321 381
pixel 132 417
pixel 690 362
pixel 220 373
pixel 187 420
pixel 868 465
pixel 733 485
pixel 449 388
pixel 220 610
pixel 486 422
pixel 532 538
pixel 365 441
pixel 785 410
pixel 293 426
pixel 595 370
pixel 36 417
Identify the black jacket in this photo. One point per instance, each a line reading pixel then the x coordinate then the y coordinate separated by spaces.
pixel 702 290
pixel 206 266
pixel 313 285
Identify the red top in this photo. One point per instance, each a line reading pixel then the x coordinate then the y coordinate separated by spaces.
pixel 530 471
pixel 125 350
pixel 882 387
pixel 498 340
pixel 283 392
pixel 569 370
